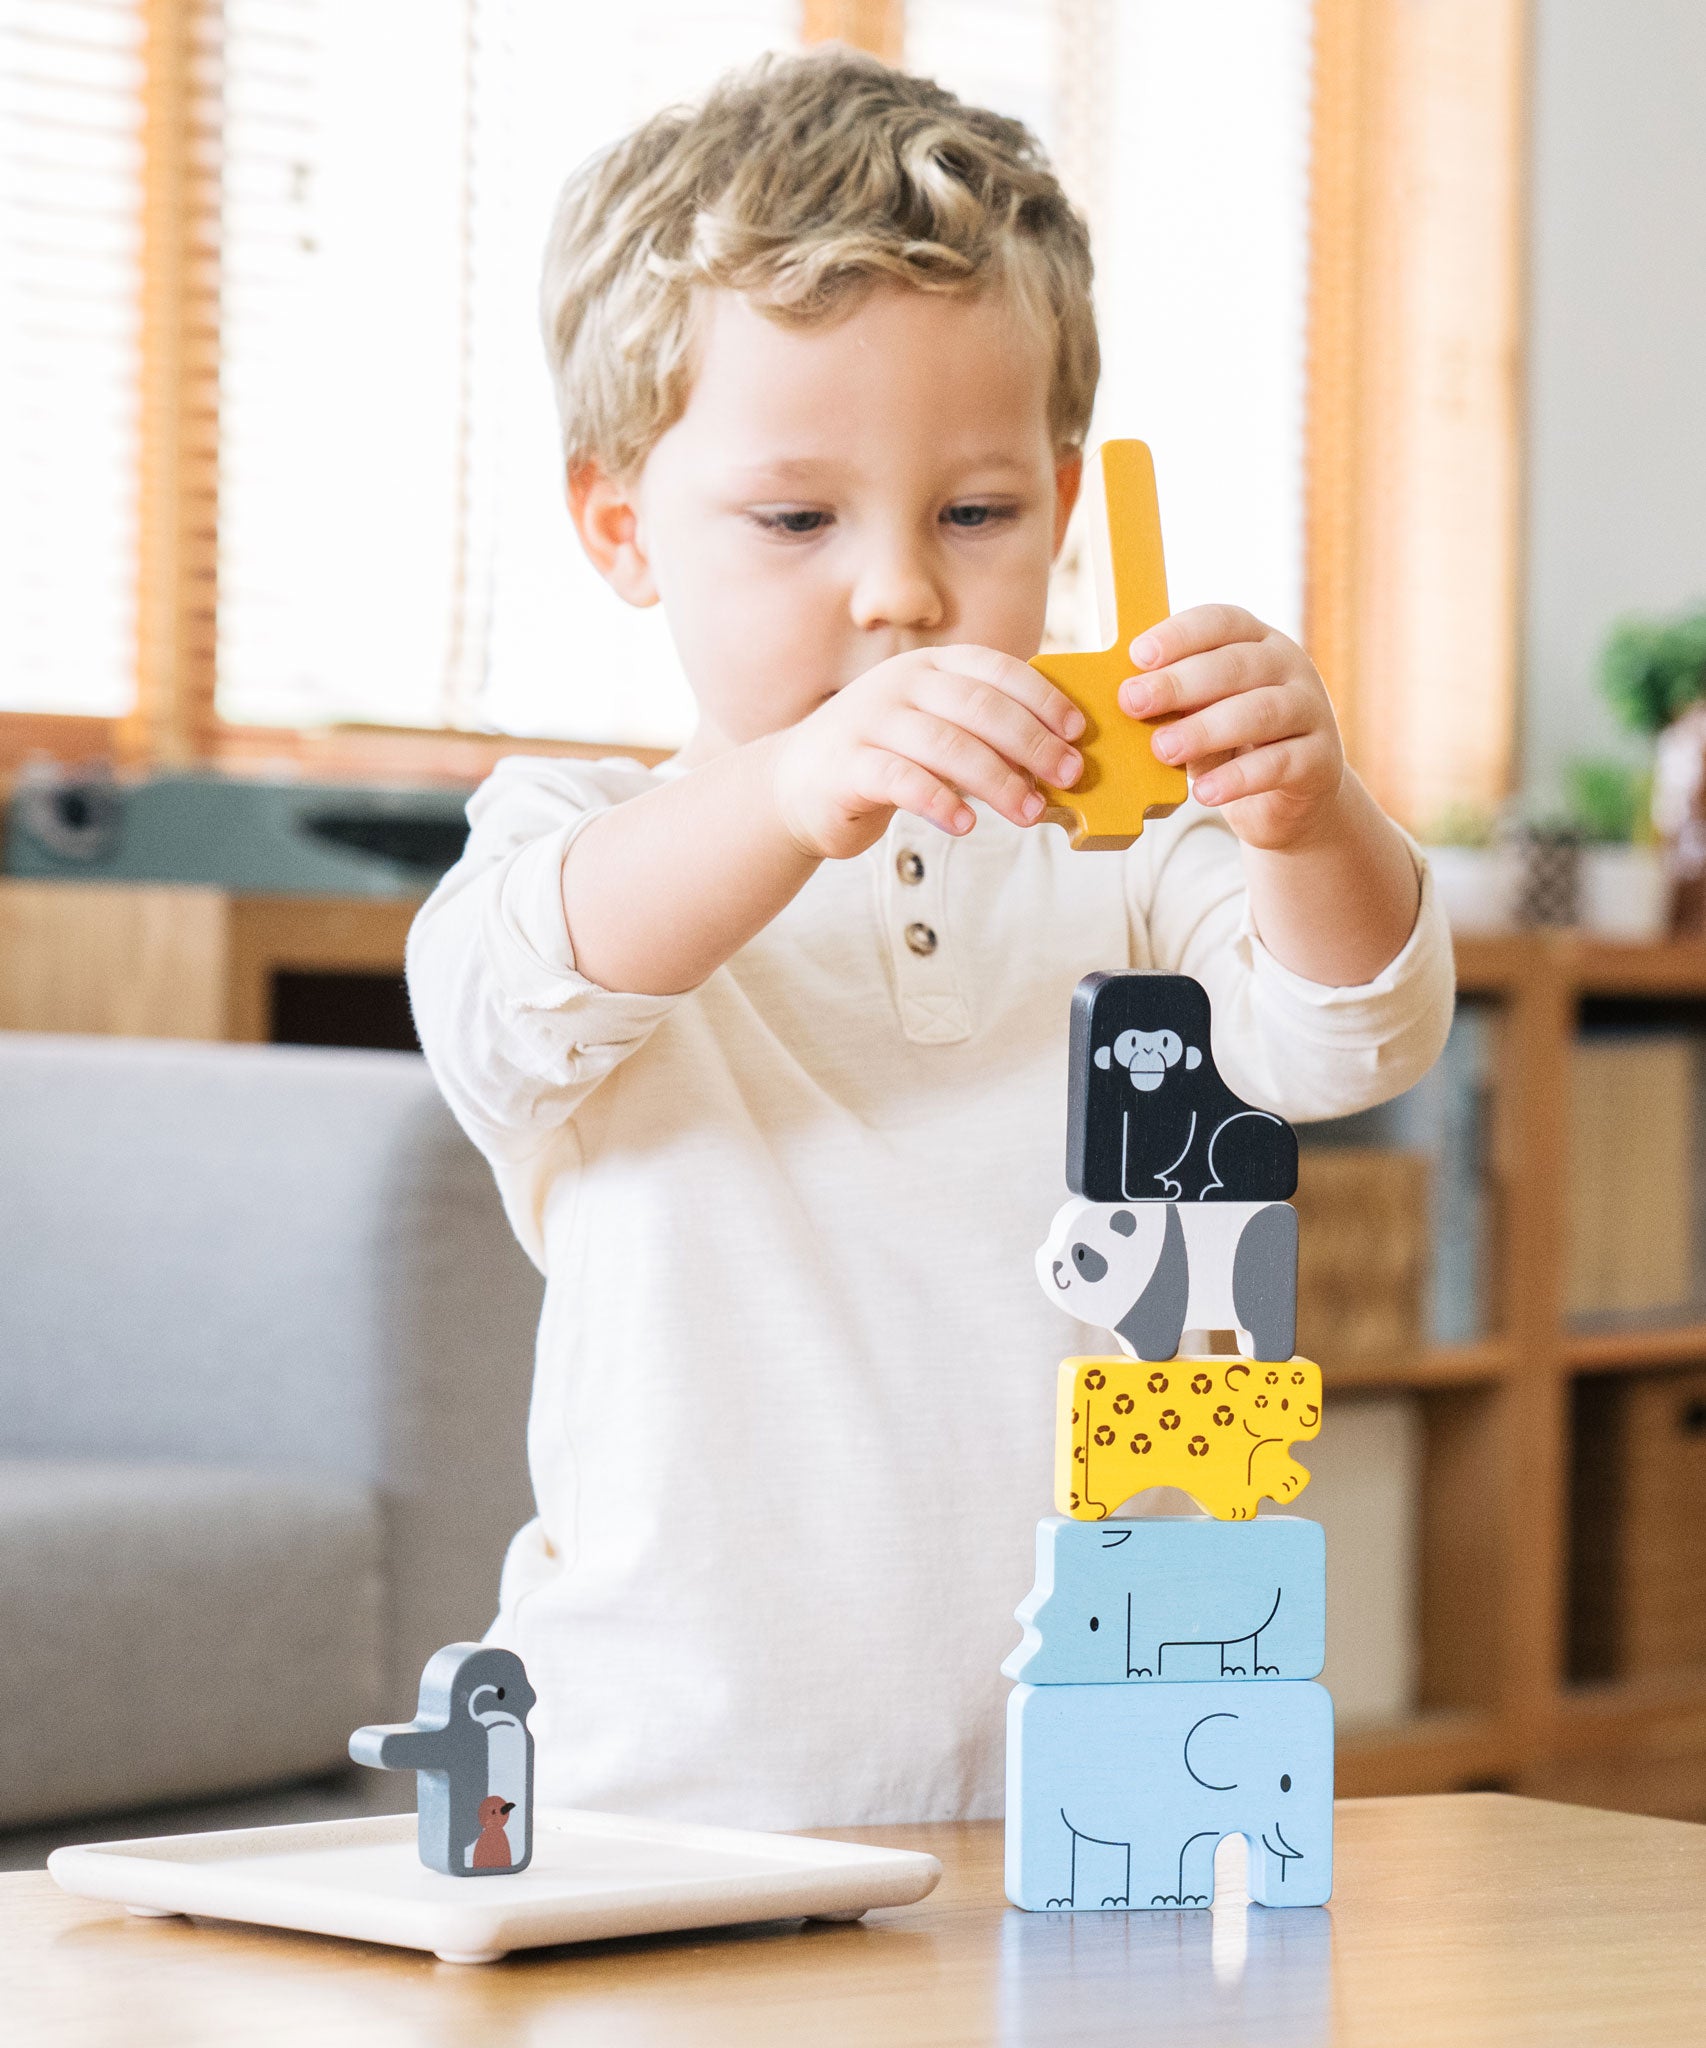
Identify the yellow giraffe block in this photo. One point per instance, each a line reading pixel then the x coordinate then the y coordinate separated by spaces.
pixel 1220 1428
pixel 1122 784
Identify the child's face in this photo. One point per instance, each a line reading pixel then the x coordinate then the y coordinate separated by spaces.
pixel 834 495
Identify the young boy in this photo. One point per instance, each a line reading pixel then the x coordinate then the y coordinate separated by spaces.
pixel 767 1047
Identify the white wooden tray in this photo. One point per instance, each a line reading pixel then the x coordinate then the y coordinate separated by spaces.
pixel 593 1875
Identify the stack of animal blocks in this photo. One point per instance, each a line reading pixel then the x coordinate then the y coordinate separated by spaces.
pixel 1164 1700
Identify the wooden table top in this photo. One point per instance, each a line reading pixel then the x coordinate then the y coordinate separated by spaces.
pixel 1462 1920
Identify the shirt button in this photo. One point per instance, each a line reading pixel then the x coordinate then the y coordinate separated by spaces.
pixel 921 939
pixel 909 865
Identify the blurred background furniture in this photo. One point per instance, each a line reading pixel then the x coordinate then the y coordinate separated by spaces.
pixel 170 960
pixel 265 1350
pixel 194 906
pixel 290 1263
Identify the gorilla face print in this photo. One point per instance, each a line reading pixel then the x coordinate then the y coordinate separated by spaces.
pixel 1146 1056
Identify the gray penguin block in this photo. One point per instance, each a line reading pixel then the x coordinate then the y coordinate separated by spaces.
pixel 472 1752
pixel 1174 1598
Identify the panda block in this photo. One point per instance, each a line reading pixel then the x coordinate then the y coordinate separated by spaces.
pixel 1148 1118
pixel 1162 1275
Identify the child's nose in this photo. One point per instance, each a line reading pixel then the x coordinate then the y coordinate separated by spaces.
pixel 897 589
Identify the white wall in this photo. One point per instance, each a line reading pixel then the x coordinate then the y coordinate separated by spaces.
pixel 1616 369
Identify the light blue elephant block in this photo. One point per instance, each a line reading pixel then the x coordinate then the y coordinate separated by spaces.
pixel 1178 1597
pixel 1118 1795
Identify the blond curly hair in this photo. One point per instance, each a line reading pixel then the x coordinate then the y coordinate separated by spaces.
pixel 800 183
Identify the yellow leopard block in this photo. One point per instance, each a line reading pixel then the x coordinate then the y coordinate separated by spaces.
pixel 1220 1428
pixel 1122 783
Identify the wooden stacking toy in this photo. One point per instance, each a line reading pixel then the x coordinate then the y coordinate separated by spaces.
pixel 471 1750
pixel 1164 1697
pixel 1121 784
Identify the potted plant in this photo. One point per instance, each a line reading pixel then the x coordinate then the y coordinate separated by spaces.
pixel 1624 891
pixel 1653 673
pixel 1475 872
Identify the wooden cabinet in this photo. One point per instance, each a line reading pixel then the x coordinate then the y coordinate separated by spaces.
pixel 170 962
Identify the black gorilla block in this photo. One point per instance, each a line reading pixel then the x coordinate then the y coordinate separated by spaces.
pixel 1148 1119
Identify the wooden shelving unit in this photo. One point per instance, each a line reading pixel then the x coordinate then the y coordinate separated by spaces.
pixel 1637 1350
pixel 1499 1709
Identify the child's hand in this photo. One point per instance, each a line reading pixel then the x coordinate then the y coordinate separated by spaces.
pixel 1251 720
pixel 921 732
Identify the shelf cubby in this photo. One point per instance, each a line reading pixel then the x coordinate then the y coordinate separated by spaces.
pixel 1499 1705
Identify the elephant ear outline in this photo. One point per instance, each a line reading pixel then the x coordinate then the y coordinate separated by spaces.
pixel 1203 1782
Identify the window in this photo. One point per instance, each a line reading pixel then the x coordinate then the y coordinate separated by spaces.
pixel 70 352
pixel 1184 132
pixel 392 544
pixel 393 540
pixel 276 435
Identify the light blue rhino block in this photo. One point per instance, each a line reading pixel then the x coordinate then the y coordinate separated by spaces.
pixel 1179 1597
pixel 1118 1795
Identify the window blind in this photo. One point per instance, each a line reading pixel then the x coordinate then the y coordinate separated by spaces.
pixel 1183 134
pixel 392 544
pixel 1203 286
pixel 70 352
pixel 393 540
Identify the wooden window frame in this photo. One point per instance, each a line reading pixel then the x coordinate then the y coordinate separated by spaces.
pixel 1413 405
pixel 174 722
pixel 1412 595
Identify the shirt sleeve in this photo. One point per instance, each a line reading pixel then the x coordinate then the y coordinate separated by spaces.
pixel 1294 1046
pixel 515 1035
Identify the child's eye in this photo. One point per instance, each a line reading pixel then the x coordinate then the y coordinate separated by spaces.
pixel 969 517
pixel 792 519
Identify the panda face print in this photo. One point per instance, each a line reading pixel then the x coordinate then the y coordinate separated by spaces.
pixel 1096 1259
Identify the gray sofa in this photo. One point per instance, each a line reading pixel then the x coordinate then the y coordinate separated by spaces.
pixel 265 1348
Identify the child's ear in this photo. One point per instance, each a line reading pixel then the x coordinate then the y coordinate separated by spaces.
pixel 608 524
pixel 1068 475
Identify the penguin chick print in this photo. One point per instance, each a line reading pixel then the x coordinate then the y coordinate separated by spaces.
pixel 491 1848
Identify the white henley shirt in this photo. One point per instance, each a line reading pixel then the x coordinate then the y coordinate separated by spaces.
pixel 793 1406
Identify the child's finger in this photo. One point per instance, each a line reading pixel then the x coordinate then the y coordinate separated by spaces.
pixel 1288 764
pixel 1256 718
pixel 959 757
pixel 1001 722
pixel 1194 632
pixel 892 781
pixel 1015 679
pixel 1198 679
